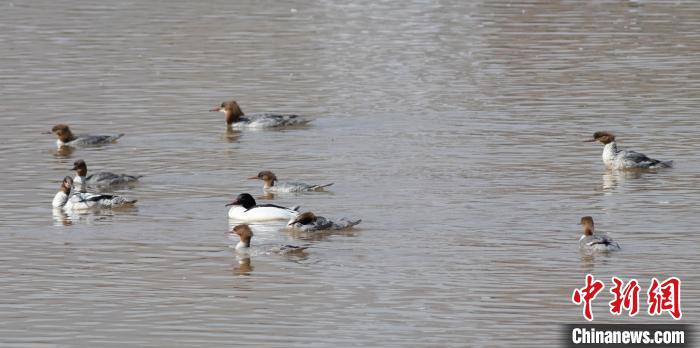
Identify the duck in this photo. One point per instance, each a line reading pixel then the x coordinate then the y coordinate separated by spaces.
pixel 625 159
pixel 67 138
pixel 85 201
pixel 595 242
pixel 244 208
pixel 235 118
pixel 245 234
pixel 270 184
pixel 100 179
pixel 309 222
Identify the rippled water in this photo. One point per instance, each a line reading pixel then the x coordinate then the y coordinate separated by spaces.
pixel 453 129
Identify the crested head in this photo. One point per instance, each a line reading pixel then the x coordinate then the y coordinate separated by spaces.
pixel 231 109
pixel 63 132
pixel 587 225
pixel 266 176
pixel 245 200
pixel 66 185
pixel 244 232
pixel 604 137
pixel 80 167
pixel 304 218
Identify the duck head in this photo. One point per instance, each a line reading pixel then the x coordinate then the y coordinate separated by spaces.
pixel 267 177
pixel 80 167
pixel 587 225
pixel 603 137
pixel 63 133
pixel 231 109
pixel 245 200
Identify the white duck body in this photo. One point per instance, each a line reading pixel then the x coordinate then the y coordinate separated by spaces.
pixel 105 179
pixel 89 140
pixel 87 201
pixel 308 222
pixel 268 120
pixel 261 213
pixel 623 159
pixel 598 243
pixel 294 187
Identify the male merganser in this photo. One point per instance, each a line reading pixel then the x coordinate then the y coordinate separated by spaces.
pixel 235 119
pixel 66 137
pixel 622 159
pixel 271 185
pixel 83 200
pixel 595 242
pixel 309 222
pixel 245 209
pixel 246 234
pixel 101 179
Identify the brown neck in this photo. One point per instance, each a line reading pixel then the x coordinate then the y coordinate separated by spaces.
pixel 233 115
pixel 66 136
pixel 65 189
pixel 81 171
pixel 588 230
pixel 269 183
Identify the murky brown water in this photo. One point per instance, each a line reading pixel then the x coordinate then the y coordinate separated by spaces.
pixel 452 128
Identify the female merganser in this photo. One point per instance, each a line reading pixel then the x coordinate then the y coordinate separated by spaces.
pixel 83 200
pixel 595 242
pixel 245 209
pixel 101 179
pixel 235 119
pixel 246 234
pixel 622 159
pixel 271 185
pixel 66 137
pixel 308 222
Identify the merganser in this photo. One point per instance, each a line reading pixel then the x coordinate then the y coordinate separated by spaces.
pixel 308 222
pixel 595 242
pixel 66 137
pixel 245 209
pixel 84 201
pixel 622 159
pixel 101 179
pixel 246 234
pixel 271 185
pixel 235 119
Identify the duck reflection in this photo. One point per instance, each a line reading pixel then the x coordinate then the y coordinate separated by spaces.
pixel 64 152
pixel 612 179
pixel 243 267
pixel 231 135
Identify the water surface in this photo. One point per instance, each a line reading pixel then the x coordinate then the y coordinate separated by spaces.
pixel 454 129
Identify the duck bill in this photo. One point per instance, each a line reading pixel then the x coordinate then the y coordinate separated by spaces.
pixel 589 141
pixel 253 178
pixel 215 110
pixel 236 202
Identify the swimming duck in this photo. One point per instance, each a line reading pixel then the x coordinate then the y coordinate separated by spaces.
pixel 67 138
pixel 595 242
pixel 309 222
pixel 236 120
pixel 245 234
pixel 270 184
pixel 624 159
pixel 84 201
pixel 100 179
pixel 244 208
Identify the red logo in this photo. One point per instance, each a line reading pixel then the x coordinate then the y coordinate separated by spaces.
pixel 665 297
pixel 661 297
pixel 587 294
pixel 627 297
